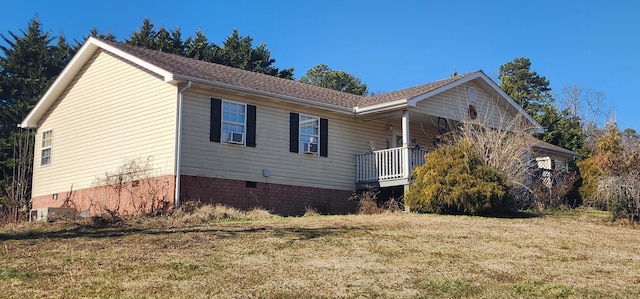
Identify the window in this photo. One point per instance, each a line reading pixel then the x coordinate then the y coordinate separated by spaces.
pixel 232 123
pixel 45 153
pixel 308 134
pixel 309 130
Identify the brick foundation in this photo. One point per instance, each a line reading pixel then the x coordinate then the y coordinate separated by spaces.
pixel 279 199
pixel 129 198
pixel 157 193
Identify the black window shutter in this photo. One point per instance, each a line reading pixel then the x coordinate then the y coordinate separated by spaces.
pixel 251 125
pixel 294 126
pixel 216 120
pixel 324 134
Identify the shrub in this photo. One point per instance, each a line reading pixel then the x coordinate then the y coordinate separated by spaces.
pixel 455 180
pixel 552 193
pixel 368 203
pixel 590 178
pixel 310 212
pixel 611 175
pixel 622 195
pixel 505 149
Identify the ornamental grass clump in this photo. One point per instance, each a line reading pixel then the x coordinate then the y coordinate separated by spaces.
pixel 455 180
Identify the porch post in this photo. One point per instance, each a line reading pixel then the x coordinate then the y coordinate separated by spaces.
pixel 406 168
pixel 406 152
pixel 405 128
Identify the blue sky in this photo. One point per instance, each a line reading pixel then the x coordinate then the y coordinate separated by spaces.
pixel 394 44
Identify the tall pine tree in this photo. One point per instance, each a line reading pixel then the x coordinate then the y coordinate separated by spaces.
pixel 533 93
pixel 530 90
pixel 236 51
pixel 29 64
pixel 322 75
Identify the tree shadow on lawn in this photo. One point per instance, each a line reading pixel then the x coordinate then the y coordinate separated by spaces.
pixel 93 231
pixel 514 215
pixel 501 214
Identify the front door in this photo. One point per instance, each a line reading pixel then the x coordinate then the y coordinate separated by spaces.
pixel 397 139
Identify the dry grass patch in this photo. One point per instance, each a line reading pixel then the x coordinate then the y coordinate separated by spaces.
pixel 212 213
pixel 564 255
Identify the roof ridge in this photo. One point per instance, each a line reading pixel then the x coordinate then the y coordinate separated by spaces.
pixel 233 76
pixel 200 69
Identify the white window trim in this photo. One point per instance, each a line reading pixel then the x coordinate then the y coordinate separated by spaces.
pixel 300 147
pixel 222 122
pixel 43 148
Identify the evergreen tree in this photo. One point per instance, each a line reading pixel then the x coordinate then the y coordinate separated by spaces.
pixel 563 129
pixel 144 37
pixel 101 35
pixel 238 52
pixel 92 33
pixel 322 75
pixel 198 47
pixel 530 90
pixel 169 41
pixel 29 64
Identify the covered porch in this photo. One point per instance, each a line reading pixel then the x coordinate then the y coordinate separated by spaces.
pixel 417 117
pixel 405 150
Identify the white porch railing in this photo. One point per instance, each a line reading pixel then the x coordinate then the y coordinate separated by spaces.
pixel 389 164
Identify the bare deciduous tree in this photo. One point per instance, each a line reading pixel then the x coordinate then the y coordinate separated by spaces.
pixel 588 105
pixel 621 188
pixel 551 194
pixel 506 148
pixel 18 189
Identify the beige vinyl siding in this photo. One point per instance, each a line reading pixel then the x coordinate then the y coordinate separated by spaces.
pixel 346 137
pixel 453 105
pixel 421 130
pixel 111 113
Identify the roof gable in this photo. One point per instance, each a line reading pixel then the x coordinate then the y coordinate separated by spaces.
pixel 409 97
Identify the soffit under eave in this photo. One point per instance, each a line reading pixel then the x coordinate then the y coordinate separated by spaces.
pixel 237 93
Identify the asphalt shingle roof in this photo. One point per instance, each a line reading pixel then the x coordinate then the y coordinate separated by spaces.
pixel 184 67
pixel 410 92
pixel 539 144
pixel 192 68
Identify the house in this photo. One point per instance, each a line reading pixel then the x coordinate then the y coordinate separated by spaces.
pixel 125 128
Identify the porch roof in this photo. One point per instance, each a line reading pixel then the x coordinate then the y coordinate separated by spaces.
pixel 409 93
pixel 538 144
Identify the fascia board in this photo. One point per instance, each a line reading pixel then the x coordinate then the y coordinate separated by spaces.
pixel 58 86
pixel 381 107
pixel 414 101
pixel 330 107
pixel 73 67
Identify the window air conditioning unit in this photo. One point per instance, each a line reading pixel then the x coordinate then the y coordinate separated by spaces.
pixel 309 148
pixel 233 137
pixel 545 163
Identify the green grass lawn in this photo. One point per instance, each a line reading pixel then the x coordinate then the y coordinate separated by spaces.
pixel 560 255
